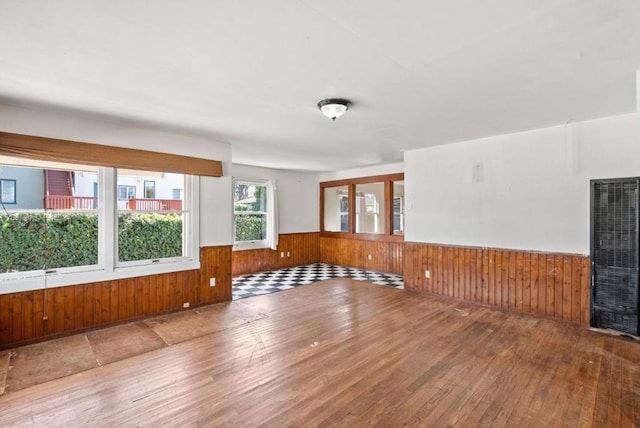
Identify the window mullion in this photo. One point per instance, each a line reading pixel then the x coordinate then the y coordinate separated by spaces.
pixel 191 218
pixel 108 247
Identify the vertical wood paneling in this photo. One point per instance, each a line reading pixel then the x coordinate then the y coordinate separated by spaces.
pixel 440 272
pixel 498 279
pixel 512 279
pixel 584 290
pixel 430 254
pixel 554 285
pixel 576 284
pixel 467 272
pixel 385 256
pixel 138 293
pixel 16 315
pixel 485 277
pixel 533 289
pixel 456 273
pixel 505 278
pixel 551 286
pixel 526 282
pixel 75 307
pixel 27 309
pixel 567 294
pixel 478 268
pixel 559 278
pixel 38 313
pixel 58 310
pixel 491 277
pixel 69 304
pixel 5 325
pixel 88 312
pixel 302 249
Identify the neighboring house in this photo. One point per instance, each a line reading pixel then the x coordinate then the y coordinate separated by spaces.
pixel 24 188
pixel 21 188
pixel 166 187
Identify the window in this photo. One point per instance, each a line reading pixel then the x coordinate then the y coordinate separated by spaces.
pixel 398 207
pixel 253 214
pixel 344 213
pixel 150 228
pixel 363 208
pixel 336 208
pixel 55 226
pixel 149 189
pixel 176 194
pixel 70 227
pixel 126 192
pixel 8 191
pixel 370 208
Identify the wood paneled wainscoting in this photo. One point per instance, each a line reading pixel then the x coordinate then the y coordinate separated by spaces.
pixel 386 256
pixel 550 284
pixel 31 315
pixel 298 249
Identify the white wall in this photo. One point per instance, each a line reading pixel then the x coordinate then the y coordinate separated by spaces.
pixel 533 192
pixel 216 211
pixel 215 204
pixel 298 196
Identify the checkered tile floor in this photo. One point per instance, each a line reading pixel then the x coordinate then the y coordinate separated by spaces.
pixel 284 279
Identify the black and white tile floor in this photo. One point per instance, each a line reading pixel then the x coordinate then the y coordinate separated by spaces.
pixel 284 279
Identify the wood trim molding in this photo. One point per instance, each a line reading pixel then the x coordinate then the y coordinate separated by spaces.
pixel 363 236
pixel 363 180
pixel 51 149
pixel 388 180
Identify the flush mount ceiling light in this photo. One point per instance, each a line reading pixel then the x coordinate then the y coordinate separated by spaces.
pixel 334 107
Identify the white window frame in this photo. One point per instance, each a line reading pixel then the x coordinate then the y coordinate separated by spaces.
pixel 187 221
pixel 344 213
pixel 178 193
pixel 107 268
pixel 263 243
pixel 127 186
pixel 15 190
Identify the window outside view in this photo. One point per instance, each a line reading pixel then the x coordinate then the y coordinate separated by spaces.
pixel 250 211
pixel 150 227
pixel 50 217
pixel 336 209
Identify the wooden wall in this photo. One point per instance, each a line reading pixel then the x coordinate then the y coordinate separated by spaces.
pixel 79 307
pixel 303 248
pixel 386 256
pixel 553 285
pixel 306 248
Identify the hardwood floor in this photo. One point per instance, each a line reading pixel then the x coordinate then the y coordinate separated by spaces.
pixel 347 353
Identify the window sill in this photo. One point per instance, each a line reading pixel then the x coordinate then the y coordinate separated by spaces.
pixel 363 236
pixel 99 274
pixel 252 245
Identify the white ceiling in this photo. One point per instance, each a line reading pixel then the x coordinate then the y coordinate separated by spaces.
pixel 250 73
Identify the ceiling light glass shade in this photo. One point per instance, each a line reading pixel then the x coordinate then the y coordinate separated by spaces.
pixel 334 107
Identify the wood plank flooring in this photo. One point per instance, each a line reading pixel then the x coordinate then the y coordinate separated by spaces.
pixel 347 353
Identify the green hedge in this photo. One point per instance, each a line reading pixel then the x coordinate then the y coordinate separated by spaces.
pixel 30 241
pixel 251 227
pixel 149 236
